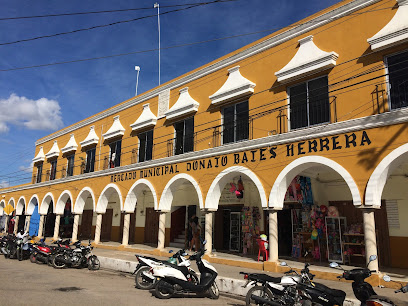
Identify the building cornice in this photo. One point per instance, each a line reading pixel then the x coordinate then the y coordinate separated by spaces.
pixel 326 130
pixel 271 42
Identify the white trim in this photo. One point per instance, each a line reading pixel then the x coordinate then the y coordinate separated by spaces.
pixel 286 176
pixel 91 139
pixel 268 43
pixel 80 200
pixel 309 59
pixel 133 194
pixel 54 151
pixel 70 146
pixel 167 195
pixel 378 178
pixel 235 86
pixel 217 186
pixel 395 32
pixel 63 198
pixel 11 201
pixel 146 119
pixel 40 157
pixel 31 205
pixel 104 198
pixel 43 210
pixel 115 130
pixel 20 206
pixel 185 105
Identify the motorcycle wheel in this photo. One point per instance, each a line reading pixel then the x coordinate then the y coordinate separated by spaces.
pixel 258 291
pixel 93 263
pixel 162 291
pixel 13 254
pixel 213 291
pixel 58 264
pixel 33 258
pixel 141 282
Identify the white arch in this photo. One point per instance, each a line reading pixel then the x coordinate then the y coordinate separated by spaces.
pixel 378 178
pixel 2 206
pixel 134 191
pixel 32 204
pixel 12 202
pixel 46 203
pixel 105 195
pixel 225 176
pixel 168 193
pixel 20 206
pixel 284 178
pixel 81 199
pixel 62 200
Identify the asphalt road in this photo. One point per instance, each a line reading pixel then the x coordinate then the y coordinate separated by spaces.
pixel 25 283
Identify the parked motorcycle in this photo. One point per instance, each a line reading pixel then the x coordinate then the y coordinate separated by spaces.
pixel 144 278
pixel 24 246
pixel 42 253
pixel 174 279
pixel 363 291
pixel 79 257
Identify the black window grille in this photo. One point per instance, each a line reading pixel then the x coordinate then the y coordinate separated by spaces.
pixel 70 168
pixel 398 80
pixel 146 146
pixel 39 172
pixel 309 103
pixel 115 151
pixel 184 141
pixel 90 160
pixel 235 122
pixel 53 170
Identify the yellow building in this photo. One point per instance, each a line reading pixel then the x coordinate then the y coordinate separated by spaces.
pixel 300 135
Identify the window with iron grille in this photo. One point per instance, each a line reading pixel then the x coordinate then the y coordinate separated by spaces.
pixel 70 168
pixel 309 103
pixel 115 150
pixel 53 169
pixel 90 160
pixel 184 141
pixel 39 172
pixel 145 146
pixel 235 122
pixel 398 80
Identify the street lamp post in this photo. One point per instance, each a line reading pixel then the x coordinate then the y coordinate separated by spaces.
pixel 137 68
pixel 156 5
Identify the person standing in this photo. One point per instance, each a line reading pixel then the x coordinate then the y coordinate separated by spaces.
pixel 195 227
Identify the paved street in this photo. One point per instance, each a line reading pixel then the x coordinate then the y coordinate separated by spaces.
pixel 24 283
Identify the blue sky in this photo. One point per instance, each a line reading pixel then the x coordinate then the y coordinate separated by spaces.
pixel 71 92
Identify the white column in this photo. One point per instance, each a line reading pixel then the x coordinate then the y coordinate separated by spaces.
pixel 98 228
pixel 41 227
pixel 126 225
pixel 208 231
pixel 273 236
pixel 162 230
pixel 56 227
pixel 27 223
pixel 370 238
pixel 6 225
pixel 75 228
pixel 16 225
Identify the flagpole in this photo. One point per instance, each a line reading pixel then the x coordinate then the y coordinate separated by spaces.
pixel 137 68
pixel 156 5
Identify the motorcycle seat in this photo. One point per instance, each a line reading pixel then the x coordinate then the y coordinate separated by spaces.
pixel 183 269
pixel 263 278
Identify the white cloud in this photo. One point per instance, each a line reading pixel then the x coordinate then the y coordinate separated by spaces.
pixel 4 184
pixel 41 114
pixel 28 169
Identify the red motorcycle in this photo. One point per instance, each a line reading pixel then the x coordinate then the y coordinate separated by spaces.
pixel 43 253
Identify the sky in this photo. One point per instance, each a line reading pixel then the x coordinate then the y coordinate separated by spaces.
pixel 36 102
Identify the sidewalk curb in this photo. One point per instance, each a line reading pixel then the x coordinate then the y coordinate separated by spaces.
pixel 230 287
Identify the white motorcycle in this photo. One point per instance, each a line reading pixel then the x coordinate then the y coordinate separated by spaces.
pixel 144 278
pixel 177 280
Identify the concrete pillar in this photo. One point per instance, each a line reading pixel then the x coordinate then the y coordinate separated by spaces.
pixel 75 228
pixel 56 227
pixel 273 236
pixel 41 227
pixel 162 230
pixel 208 231
pixel 126 225
pixel 16 225
pixel 27 223
pixel 370 238
pixel 98 228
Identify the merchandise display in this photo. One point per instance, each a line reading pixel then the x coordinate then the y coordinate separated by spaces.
pixel 250 227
